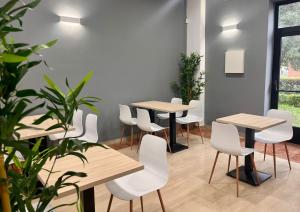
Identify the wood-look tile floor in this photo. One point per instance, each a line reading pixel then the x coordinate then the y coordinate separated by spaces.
pixel 188 189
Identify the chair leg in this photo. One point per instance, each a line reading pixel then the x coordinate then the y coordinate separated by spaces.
pixel 142 205
pixel 131 205
pixel 288 156
pixel 131 144
pixel 139 142
pixel 265 151
pixel 188 134
pixel 109 203
pixel 161 201
pixel 229 160
pixel 237 176
pixel 274 160
pixel 213 169
pixel 201 133
pixel 122 134
pixel 180 127
pixel 255 170
pixel 167 140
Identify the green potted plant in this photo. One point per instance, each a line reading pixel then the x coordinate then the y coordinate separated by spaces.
pixel 191 83
pixel 18 186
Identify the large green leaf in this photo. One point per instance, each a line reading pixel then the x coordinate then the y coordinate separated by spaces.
pixel 11 58
pixel 53 85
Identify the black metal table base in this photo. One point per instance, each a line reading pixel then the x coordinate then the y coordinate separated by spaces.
pixel 250 177
pixel 88 200
pixel 177 147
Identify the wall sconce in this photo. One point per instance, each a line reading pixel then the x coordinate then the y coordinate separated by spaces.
pixel 67 19
pixel 230 27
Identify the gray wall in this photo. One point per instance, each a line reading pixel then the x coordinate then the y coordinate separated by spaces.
pixel 133 47
pixel 248 92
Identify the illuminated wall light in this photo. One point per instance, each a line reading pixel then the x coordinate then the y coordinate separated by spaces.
pixel 72 20
pixel 230 27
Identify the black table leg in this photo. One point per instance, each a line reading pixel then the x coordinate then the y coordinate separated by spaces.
pixel 246 172
pixel 152 115
pixel 88 200
pixel 175 147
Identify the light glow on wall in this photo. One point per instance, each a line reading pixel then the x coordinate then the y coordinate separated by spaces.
pixel 230 27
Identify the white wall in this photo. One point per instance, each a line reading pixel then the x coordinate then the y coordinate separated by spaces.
pixel 195 11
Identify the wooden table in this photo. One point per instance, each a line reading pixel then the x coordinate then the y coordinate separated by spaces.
pixel 250 123
pixel 168 108
pixel 103 165
pixel 36 131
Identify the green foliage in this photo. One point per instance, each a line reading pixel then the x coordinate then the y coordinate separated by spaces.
pixel 289 15
pixel 289 84
pixel 291 99
pixel 15 104
pixel 190 85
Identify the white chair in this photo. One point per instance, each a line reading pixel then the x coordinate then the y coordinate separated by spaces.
pixel 77 124
pixel 153 177
pixel 91 130
pixel 145 125
pixel 18 155
pixel 164 116
pixel 193 116
pixel 277 134
pixel 225 139
pixel 126 119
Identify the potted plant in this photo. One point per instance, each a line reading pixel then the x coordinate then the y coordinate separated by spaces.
pixel 18 185
pixel 191 83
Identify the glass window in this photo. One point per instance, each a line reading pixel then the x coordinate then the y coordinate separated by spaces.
pixel 289 15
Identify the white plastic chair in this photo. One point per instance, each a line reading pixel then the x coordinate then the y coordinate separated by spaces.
pixel 77 124
pixel 126 119
pixel 145 125
pixel 193 116
pixel 153 177
pixel 225 139
pixel 277 134
pixel 91 130
pixel 164 116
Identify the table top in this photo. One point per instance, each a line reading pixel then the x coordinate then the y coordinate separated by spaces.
pixel 162 106
pixel 39 130
pixel 103 165
pixel 251 121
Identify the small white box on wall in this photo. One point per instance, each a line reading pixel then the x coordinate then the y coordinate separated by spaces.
pixel 234 61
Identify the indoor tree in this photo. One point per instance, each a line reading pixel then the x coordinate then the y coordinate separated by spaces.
pixel 19 184
pixel 191 83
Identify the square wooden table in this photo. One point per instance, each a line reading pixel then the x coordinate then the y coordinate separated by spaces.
pixel 40 130
pixel 103 165
pixel 250 123
pixel 168 108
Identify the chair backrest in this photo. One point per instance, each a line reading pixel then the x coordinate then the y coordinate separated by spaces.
pixel 153 155
pixel 225 138
pixel 91 129
pixel 177 101
pixel 287 127
pixel 125 113
pixel 196 109
pixel 77 121
pixel 143 120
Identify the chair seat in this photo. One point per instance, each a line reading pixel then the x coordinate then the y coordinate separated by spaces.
pixel 163 115
pixel 188 119
pixel 135 185
pixel 131 122
pixel 268 137
pixel 59 136
pixel 156 128
pixel 87 139
pixel 246 151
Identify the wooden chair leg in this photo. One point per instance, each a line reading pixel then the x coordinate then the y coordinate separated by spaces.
pixel 274 160
pixel 237 176
pixel 161 201
pixel 131 205
pixel 180 126
pixel 255 170
pixel 131 144
pixel 142 205
pixel 213 169
pixel 140 140
pixel 265 151
pixel 229 160
pixel 187 134
pixel 122 134
pixel 167 139
pixel 109 203
pixel 287 155
pixel 201 133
